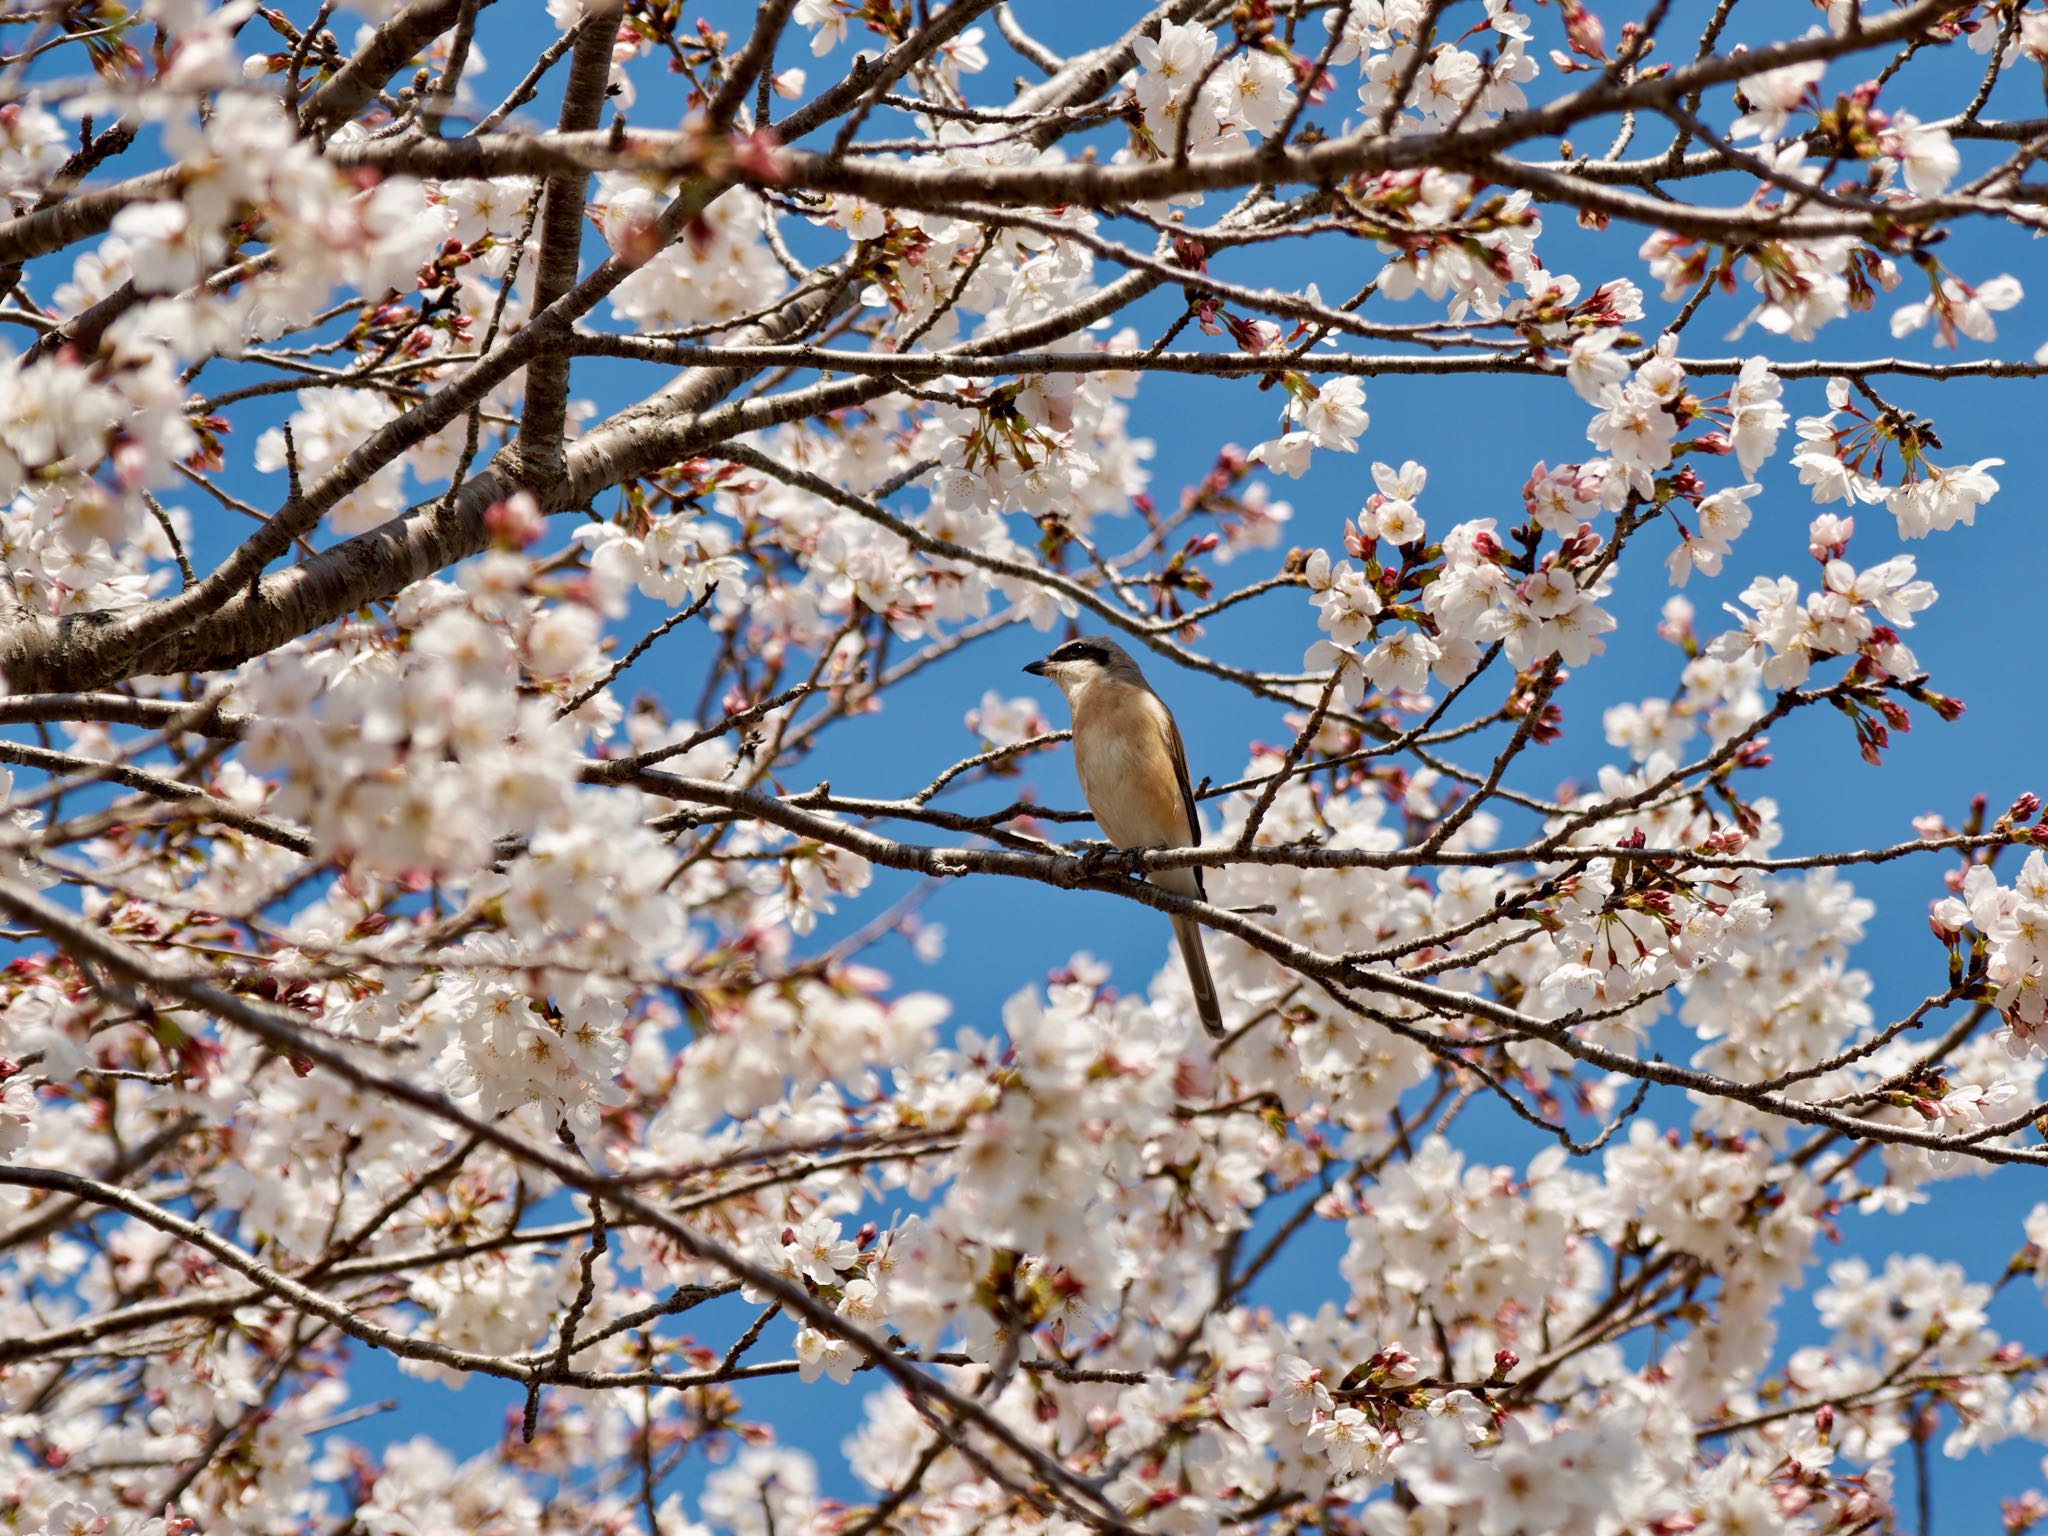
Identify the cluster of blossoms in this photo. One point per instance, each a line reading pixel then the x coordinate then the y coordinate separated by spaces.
pixel 1469 598
pixel 1452 83
pixel 2012 920
pixel 32 150
pixel 92 436
pixel 1721 696
pixel 384 750
pixel 1852 613
pixel 96 433
pixel 1331 415
pixel 1806 284
pixel 1063 1168
pixel 1473 588
pixel 1845 462
pixel 1473 277
pixel 1188 95
pixel 1803 284
pixel 724 272
pixel 1052 445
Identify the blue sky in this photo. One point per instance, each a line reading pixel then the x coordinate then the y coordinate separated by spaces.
pixel 1479 439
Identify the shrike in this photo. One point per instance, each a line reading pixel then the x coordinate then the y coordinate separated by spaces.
pixel 1134 776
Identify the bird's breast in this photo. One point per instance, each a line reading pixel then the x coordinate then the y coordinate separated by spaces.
pixel 1127 773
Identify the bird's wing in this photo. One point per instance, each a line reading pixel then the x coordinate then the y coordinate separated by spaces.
pixel 1179 754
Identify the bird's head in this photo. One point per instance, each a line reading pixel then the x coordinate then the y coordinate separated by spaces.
pixel 1086 659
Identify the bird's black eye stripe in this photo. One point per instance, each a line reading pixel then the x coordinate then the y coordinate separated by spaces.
pixel 1080 650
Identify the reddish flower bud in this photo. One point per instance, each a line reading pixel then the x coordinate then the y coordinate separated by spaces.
pixel 515 522
pixel 1582 29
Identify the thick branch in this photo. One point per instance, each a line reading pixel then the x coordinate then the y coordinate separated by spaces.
pixel 561 241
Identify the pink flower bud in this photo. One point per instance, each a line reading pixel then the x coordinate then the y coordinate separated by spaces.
pixel 1582 29
pixel 515 522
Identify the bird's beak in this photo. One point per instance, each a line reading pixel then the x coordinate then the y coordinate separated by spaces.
pixel 1036 669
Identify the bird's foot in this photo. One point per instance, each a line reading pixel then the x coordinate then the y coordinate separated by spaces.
pixel 1093 855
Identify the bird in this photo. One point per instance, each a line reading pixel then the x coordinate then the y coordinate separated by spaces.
pixel 1134 776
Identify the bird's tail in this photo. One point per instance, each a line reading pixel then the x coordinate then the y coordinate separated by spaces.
pixel 1189 933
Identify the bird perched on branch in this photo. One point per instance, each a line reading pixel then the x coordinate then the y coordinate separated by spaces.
pixel 1134 776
